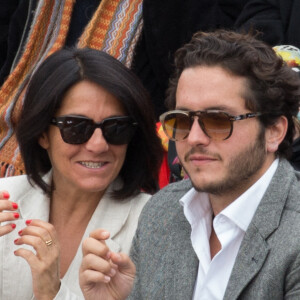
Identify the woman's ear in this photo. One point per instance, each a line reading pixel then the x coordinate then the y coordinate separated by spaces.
pixel 44 141
pixel 275 134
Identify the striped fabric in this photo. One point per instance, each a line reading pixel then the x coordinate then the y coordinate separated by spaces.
pixel 114 28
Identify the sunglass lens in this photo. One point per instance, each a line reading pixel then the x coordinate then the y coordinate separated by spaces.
pixel 118 132
pixel 177 126
pixel 216 125
pixel 76 130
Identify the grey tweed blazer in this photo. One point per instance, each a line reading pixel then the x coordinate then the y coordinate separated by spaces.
pixel 267 266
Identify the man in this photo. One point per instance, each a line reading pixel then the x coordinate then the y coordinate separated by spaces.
pixel 232 230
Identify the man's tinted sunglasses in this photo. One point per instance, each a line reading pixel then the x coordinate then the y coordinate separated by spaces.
pixel 216 124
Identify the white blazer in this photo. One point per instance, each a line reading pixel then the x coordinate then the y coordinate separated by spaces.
pixel 118 217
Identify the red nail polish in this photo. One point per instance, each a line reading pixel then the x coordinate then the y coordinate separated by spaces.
pixel 13 225
pixel 20 232
pixel 15 205
pixel 5 195
pixel 28 222
pixel 16 215
pixel 16 240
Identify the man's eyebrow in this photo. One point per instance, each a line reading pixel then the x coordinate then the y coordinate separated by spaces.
pixel 219 107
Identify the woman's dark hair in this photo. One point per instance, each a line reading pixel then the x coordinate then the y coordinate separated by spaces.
pixel 273 88
pixel 45 93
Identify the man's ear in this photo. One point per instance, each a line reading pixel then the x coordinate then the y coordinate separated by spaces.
pixel 44 141
pixel 275 134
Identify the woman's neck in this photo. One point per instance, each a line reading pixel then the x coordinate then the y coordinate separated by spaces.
pixel 70 215
pixel 72 207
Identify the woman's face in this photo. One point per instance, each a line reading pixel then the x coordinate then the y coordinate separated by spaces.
pixel 92 166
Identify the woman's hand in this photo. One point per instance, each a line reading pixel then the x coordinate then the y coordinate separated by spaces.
pixel 7 213
pixel 104 274
pixel 45 262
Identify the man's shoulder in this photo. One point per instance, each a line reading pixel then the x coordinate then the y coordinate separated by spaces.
pixel 171 193
pixel 183 185
pixel 293 198
pixel 286 184
pixel 165 203
pixel 280 204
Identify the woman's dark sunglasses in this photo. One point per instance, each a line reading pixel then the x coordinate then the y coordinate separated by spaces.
pixel 216 124
pixel 78 130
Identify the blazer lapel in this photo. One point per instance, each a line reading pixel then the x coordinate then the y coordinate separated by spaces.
pixel 249 261
pixel 254 249
pixel 110 215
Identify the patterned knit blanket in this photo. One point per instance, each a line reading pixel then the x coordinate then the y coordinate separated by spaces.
pixel 114 28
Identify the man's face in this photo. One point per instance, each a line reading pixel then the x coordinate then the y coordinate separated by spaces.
pixel 226 166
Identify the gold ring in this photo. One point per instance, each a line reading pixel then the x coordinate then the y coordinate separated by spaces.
pixel 49 243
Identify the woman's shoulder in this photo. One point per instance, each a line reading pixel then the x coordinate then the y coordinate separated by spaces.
pixel 141 197
pixel 19 186
pixel 16 186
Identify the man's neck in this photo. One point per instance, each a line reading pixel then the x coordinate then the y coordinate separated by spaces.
pixel 214 243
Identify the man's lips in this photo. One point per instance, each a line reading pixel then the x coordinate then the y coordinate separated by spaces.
pixel 201 158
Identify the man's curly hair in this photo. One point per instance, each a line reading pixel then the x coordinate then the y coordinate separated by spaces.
pixel 273 88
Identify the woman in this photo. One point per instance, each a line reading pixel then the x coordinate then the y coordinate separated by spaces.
pixel 87 137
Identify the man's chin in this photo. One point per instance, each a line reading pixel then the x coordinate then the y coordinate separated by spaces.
pixel 213 188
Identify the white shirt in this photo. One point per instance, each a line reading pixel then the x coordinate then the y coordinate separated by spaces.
pixel 230 226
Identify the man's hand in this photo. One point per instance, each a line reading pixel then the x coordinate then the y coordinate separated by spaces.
pixel 104 274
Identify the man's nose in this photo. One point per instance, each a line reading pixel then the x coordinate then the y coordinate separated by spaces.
pixel 197 135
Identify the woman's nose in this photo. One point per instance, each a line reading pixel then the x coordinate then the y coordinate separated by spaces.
pixel 97 142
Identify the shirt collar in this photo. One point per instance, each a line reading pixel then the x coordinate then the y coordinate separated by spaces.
pixel 241 211
pixel 195 205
